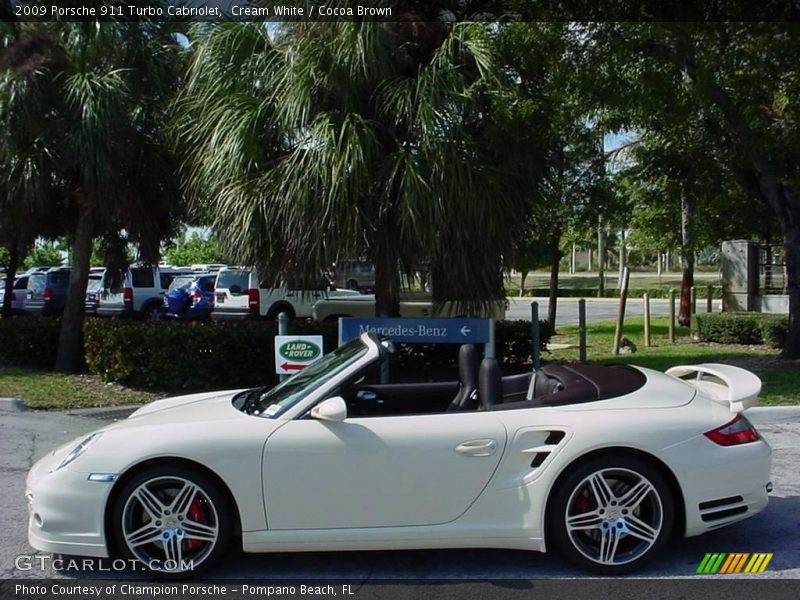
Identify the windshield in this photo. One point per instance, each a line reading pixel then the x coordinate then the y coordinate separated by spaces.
pixel 183 282
pixel 282 397
pixel 95 283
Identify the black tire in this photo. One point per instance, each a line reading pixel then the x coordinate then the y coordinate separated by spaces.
pixel 613 536
pixel 194 535
pixel 152 311
pixel 277 309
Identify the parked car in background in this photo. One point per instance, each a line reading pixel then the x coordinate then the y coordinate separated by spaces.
pixel 19 294
pixel 47 291
pixel 93 290
pixel 356 275
pixel 190 297
pixel 239 294
pixel 139 292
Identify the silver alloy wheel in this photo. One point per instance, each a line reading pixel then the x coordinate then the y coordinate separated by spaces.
pixel 614 516
pixel 170 524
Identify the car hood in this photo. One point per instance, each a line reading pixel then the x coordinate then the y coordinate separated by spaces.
pixel 208 406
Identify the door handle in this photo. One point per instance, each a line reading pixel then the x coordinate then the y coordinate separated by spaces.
pixel 485 447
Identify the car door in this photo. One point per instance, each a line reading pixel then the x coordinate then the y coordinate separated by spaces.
pixel 379 471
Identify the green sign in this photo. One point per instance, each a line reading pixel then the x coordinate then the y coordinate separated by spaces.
pixel 300 350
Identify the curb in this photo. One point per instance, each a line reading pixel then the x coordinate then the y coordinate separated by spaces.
pixel 13 405
pixel 773 414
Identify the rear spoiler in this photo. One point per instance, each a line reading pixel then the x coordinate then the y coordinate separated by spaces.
pixel 736 387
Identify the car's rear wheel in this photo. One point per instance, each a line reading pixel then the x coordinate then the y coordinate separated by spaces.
pixel 174 521
pixel 276 309
pixel 611 515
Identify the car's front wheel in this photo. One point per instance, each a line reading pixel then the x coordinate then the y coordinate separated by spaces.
pixel 612 515
pixel 174 521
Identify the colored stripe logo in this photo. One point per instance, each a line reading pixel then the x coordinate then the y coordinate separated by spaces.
pixel 734 562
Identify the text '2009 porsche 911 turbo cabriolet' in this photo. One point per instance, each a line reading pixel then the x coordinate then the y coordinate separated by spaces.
pixel 602 463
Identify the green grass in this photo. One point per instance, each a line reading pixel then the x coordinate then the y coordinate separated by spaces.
pixel 55 391
pixel 781 379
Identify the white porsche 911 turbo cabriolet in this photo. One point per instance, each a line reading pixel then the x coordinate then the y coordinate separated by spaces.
pixel 603 463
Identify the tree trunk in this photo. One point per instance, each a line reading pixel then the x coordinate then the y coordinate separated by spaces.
pixel 623 258
pixel 573 260
pixel 687 259
pixel 70 341
pixel 387 286
pixel 601 259
pixel 11 271
pixel 523 276
pixel 589 259
pixel 555 261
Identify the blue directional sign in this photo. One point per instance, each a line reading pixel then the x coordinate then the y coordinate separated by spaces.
pixel 420 331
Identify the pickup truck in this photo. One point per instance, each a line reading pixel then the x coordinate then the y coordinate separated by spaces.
pixel 239 294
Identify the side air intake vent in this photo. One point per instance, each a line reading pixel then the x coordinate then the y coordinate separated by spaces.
pixel 539 459
pixel 554 438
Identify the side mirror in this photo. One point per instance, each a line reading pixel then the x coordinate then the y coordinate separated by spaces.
pixel 332 409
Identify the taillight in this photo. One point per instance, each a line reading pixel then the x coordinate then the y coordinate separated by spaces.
pixel 48 294
pixel 196 297
pixel 252 300
pixel 738 431
pixel 127 297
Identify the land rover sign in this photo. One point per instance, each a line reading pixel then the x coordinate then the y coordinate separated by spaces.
pixel 294 353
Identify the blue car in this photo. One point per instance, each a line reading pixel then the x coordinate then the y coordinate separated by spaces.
pixel 190 297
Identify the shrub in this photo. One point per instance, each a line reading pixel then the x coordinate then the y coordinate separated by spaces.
pixel 29 341
pixel 197 355
pixel 743 328
pixel 173 356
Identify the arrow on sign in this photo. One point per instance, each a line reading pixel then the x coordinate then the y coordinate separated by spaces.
pixel 465 330
pixel 290 367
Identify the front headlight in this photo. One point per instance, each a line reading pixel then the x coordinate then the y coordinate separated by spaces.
pixel 79 449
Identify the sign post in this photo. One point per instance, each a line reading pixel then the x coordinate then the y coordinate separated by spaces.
pixel 293 353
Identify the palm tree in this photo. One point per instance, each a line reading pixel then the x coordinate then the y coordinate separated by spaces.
pixel 28 206
pixel 103 98
pixel 351 139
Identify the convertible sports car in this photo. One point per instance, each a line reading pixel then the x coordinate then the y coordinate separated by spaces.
pixel 603 464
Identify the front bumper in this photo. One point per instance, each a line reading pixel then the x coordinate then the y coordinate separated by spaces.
pixel 66 511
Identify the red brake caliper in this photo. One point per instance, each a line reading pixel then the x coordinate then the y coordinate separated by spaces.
pixel 197 514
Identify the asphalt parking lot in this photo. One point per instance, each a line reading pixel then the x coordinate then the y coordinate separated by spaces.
pixel 27 435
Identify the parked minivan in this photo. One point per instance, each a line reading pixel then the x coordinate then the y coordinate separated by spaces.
pixel 139 293
pixel 238 294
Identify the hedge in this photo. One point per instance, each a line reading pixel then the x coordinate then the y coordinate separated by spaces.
pixel 167 355
pixel 743 328
pixel 208 355
pixel 29 341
